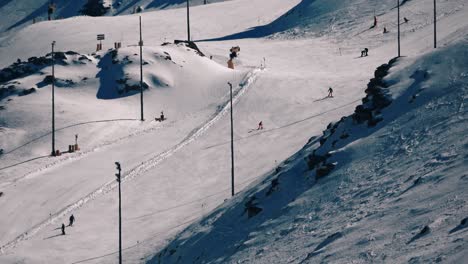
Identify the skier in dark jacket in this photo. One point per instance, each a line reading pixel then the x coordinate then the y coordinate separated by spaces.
pixel 364 52
pixel 63 229
pixel 260 125
pixel 72 220
pixel 330 92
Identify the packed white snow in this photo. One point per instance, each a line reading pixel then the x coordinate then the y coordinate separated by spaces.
pixel 388 183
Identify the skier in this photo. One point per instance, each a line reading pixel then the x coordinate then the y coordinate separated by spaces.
pixel 50 10
pixel 330 92
pixel 63 229
pixel 364 52
pixel 72 220
pixel 260 126
pixel 406 20
pixel 161 117
pixel 385 30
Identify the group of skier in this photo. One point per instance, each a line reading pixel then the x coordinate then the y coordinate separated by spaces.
pixel 70 223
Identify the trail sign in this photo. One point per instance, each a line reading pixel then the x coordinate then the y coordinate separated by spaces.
pixel 100 37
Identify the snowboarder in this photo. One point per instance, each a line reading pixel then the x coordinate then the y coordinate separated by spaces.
pixel 406 20
pixel 385 30
pixel 260 126
pixel 63 229
pixel 330 92
pixel 72 220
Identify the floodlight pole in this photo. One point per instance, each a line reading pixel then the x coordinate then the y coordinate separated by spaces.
pixel 141 72
pixel 399 50
pixel 117 164
pixel 435 25
pixel 53 99
pixel 232 144
pixel 188 21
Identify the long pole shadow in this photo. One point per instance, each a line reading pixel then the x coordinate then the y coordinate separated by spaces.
pixel 283 126
pixel 69 126
pixel 52 236
pixel 22 162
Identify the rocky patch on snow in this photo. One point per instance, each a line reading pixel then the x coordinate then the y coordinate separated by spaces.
pixel 9 76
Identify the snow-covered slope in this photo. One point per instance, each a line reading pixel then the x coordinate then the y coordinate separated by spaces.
pixel 177 171
pixel 20 13
pixel 386 184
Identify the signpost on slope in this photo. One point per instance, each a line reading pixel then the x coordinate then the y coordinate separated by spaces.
pixel 100 37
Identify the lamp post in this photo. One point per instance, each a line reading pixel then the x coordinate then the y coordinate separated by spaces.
pixel 398 4
pixel 232 144
pixel 435 25
pixel 188 20
pixel 117 164
pixel 53 98
pixel 140 43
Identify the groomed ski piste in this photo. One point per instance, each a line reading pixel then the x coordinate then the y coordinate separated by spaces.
pixel 388 188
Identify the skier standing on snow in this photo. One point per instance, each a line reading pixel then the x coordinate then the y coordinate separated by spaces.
pixel 364 52
pixel 63 229
pixel 330 92
pixel 72 220
pixel 260 126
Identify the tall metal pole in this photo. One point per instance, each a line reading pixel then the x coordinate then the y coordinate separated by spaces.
pixel 399 51
pixel 188 20
pixel 120 212
pixel 435 25
pixel 141 72
pixel 232 145
pixel 53 99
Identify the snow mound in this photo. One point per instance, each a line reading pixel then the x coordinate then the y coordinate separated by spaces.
pixel 177 79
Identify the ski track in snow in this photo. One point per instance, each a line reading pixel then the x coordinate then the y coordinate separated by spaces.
pixel 79 155
pixel 145 166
